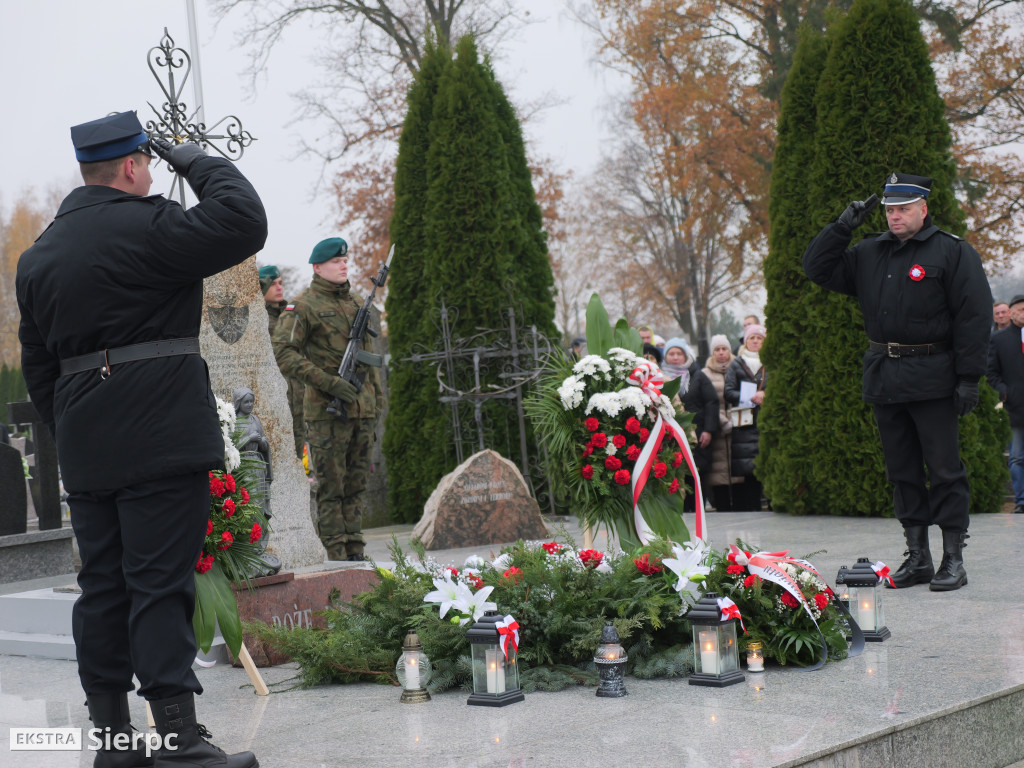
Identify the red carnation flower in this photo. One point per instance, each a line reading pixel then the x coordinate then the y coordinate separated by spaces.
pixel 552 547
pixel 612 463
pixel 619 440
pixel 209 527
pixel 476 581
pixel 622 476
pixel 633 453
pixel 660 469
pixel 646 566
pixel 216 487
pixel 591 424
pixel 513 574
pixel 591 558
pixel 632 425
pixel 599 440
pixel 674 487
pixel 751 580
pixel 229 483
pixel 229 507
pixel 453 571
pixel 204 563
pixel 587 471
pixel 677 459
pixel 226 540
pixel 735 569
pixel 789 601
pixel 831 594
pixel 644 434
pixel 245 496
pixel 587 451
pixel 256 534
pixel 821 600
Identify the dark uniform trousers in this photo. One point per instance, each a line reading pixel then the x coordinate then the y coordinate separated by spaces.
pixel 139 547
pixel 919 434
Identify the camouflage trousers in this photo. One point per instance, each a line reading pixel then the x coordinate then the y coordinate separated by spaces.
pixel 340 456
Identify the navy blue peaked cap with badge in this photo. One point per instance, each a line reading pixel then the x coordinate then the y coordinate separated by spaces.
pixel 902 188
pixel 109 137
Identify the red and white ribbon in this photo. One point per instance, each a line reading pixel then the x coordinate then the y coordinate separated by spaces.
pixel 882 570
pixel 508 631
pixel 650 380
pixel 730 610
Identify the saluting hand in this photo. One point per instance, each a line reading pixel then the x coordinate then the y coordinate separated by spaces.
pixel 179 156
pixel 856 212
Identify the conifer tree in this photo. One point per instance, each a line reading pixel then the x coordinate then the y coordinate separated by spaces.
pixel 479 245
pixel 877 110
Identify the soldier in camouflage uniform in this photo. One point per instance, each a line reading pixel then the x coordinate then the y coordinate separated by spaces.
pixel 309 343
pixel 273 295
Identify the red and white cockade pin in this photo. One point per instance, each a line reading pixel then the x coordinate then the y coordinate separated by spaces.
pixel 917 273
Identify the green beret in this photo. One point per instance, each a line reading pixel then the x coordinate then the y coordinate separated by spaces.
pixel 328 249
pixel 270 271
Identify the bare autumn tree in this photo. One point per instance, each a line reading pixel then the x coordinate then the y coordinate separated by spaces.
pixel 977 47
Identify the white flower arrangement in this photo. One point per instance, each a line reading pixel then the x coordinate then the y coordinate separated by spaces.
pixel 594 366
pixel 571 393
pixel 226 415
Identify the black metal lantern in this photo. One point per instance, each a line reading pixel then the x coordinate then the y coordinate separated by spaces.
pixel 842 591
pixel 611 661
pixel 413 671
pixel 495 674
pixel 866 600
pixel 715 650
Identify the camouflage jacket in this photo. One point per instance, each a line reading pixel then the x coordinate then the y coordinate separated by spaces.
pixel 309 342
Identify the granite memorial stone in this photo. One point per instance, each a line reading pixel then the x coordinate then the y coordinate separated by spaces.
pixel 236 344
pixel 483 501
pixel 45 482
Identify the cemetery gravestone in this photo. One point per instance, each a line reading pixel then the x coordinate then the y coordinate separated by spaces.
pixel 45 483
pixel 483 501
pixel 14 499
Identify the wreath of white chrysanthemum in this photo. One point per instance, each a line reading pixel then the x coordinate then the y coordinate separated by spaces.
pixel 226 415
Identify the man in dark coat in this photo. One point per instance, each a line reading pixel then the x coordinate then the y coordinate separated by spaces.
pixel 111 299
pixel 927 312
pixel 1006 375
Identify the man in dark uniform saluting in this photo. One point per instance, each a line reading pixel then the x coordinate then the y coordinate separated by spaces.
pixel 927 312
pixel 111 299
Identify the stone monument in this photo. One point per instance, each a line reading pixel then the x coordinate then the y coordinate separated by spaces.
pixel 482 501
pixel 236 344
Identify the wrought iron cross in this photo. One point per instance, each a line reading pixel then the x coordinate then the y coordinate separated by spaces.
pixel 174 122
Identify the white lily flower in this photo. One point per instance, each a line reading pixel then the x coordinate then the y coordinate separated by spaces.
pixel 687 564
pixel 475 604
pixel 447 593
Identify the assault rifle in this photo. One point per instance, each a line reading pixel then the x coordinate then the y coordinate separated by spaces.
pixel 354 352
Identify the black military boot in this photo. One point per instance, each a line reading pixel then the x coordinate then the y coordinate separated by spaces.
pixel 917 568
pixel 188 745
pixel 109 713
pixel 951 574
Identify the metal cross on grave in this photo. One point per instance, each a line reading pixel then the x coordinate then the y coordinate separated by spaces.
pixel 174 122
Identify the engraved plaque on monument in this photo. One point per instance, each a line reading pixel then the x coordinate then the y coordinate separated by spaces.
pixel 482 501
pixel 236 345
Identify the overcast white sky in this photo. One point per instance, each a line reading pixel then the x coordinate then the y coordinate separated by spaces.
pixel 64 62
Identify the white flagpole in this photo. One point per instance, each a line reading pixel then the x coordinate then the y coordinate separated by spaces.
pixel 197 76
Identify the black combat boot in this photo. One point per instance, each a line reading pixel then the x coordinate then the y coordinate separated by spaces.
pixel 187 746
pixel 109 714
pixel 917 568
pixel 951 574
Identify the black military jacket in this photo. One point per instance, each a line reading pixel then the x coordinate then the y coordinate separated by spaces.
pixel 930 288
pixel 115 269
pixel 1006 371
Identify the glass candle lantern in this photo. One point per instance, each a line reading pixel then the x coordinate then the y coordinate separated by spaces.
pixel 866 600
pixel 755 656
pixel 611 661
pixel 715 650
pixel 495 676
pixel 413 671
pixel 842 591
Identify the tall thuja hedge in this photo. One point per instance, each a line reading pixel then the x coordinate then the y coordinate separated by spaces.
pixel 878 110
pixel 411 405
pixel 784 461
pixel 482 250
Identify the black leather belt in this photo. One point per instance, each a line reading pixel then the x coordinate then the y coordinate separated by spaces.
pixel 106 358
pixel 892 349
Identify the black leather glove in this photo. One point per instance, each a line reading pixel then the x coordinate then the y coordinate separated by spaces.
pixel 966 397
pixel 344 391
pixel 856 212
pixel 179 156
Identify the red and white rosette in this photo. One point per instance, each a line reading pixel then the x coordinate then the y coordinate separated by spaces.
pixel 882 570
pixel 650 380
pixel 508 632
pixel 730 610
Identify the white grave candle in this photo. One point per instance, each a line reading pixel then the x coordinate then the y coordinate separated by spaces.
pixel 492 671
pixel 412 673
pixel 709 653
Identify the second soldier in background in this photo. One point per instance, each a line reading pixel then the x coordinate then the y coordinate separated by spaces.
pixel 309 343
